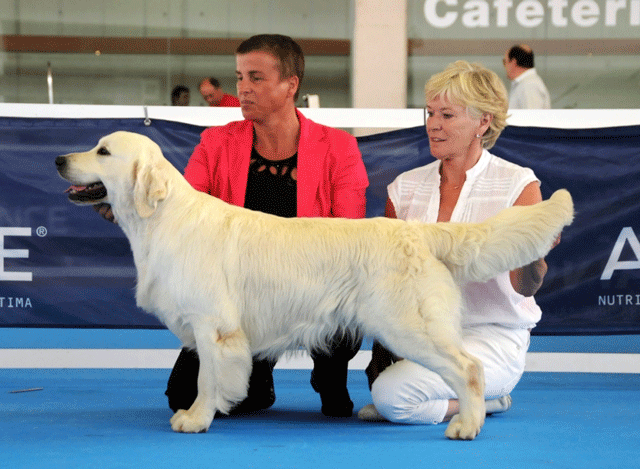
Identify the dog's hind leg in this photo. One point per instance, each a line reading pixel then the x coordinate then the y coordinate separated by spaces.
pixel 459 369
pixel 465 374
pixel 223 377
pixel 426 333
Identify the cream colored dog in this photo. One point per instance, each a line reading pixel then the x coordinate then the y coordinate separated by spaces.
pixel 235 283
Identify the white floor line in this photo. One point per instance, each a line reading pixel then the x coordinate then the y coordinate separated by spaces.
pixel 165 358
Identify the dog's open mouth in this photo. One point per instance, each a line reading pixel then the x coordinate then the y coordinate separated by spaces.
pixel 87 194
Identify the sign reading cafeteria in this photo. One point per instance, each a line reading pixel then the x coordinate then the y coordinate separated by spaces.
pixel 532 13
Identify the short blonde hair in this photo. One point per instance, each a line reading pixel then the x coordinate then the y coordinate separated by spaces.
pixel 476 88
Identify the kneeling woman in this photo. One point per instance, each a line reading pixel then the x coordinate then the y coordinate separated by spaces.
pixel 466 112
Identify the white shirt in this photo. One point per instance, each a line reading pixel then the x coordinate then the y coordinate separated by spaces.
pixel 492 185
pixel 528 91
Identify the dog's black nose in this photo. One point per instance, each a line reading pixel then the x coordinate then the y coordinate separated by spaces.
pixel 60 161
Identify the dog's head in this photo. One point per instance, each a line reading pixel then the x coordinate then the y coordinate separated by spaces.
pixel 125 169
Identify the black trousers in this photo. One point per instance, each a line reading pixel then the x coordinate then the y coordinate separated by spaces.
pixel 328 378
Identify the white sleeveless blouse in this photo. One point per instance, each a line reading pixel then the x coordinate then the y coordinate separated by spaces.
pixel 492 185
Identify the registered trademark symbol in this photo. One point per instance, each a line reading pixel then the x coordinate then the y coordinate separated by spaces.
pixel 41 231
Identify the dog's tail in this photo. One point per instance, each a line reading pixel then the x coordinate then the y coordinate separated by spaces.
pixel 515 237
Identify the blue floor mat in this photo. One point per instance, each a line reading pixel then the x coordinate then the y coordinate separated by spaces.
pixel 119 419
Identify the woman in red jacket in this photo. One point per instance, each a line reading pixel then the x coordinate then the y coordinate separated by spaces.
pixel 277 161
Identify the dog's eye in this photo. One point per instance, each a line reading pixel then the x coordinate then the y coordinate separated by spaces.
pixel 103 151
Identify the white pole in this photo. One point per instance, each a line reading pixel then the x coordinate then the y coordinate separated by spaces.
pixel 50 82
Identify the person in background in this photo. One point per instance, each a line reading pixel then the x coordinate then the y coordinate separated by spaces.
pixel 528 91
pixel 180 96
pixel 467 111
pixel 213 94
pixel 279 162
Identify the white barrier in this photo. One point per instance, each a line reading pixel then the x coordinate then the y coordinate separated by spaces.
pixel 334 117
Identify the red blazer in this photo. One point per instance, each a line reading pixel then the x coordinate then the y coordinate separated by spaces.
pixel 331 175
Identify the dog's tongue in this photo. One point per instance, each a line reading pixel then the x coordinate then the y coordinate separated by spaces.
pixel 75 189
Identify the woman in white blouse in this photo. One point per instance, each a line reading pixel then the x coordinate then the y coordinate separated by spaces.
pixel 466 112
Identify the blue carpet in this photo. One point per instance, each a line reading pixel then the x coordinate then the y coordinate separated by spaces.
pixel 119 419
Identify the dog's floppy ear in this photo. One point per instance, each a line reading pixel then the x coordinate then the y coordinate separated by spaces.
pixel 150 187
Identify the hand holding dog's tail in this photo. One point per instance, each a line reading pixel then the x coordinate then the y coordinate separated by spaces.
pixel 511 239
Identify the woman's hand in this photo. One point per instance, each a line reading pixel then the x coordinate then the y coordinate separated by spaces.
pixel 105 212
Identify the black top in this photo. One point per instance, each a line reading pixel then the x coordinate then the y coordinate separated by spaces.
pixel 271 185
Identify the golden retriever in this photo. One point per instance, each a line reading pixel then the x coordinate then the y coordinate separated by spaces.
pixel 234 283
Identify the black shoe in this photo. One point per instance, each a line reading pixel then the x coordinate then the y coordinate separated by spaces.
pixel 182 388
pixel 335 398
pixel 261 394
pixel 330 371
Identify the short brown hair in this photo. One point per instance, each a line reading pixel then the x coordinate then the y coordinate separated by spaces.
pixel 283 48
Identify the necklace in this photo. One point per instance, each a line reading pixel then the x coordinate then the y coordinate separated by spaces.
pixel 443 183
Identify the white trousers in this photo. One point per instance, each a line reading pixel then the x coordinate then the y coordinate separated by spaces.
pixel 406 392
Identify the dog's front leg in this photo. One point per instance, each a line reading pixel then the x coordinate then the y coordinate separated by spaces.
pixel 225 367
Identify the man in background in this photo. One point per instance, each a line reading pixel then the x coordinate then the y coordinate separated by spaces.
pixel 213 94
pixel 528 91
pixel 180 96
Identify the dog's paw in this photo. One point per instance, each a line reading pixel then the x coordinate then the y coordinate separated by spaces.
pixel 460 430
pixel 185 421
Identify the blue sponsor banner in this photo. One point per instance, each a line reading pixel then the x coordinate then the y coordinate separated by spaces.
pixel 67 267
pixel 63 266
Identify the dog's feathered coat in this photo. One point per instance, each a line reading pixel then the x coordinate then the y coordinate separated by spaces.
pixel 235 283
